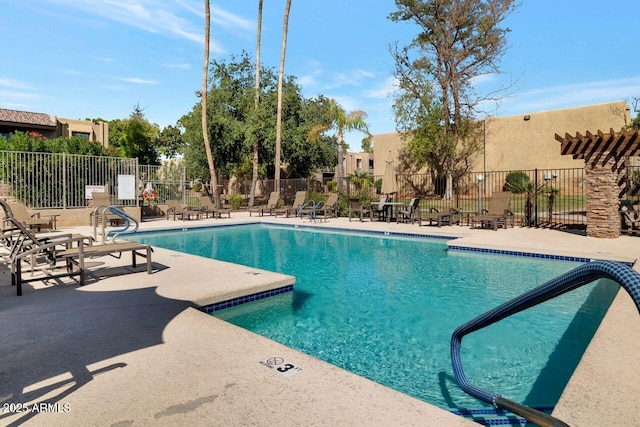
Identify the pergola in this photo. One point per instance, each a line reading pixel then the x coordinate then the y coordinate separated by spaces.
pixel 605 183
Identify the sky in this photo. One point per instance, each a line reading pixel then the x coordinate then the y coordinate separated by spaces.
pixel 82 59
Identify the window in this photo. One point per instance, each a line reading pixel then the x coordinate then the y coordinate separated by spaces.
pixel 84 135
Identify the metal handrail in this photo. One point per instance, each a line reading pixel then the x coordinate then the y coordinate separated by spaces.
pixel 587 273
pixel 115 210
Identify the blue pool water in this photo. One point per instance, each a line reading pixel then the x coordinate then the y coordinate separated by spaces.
pixel 384 307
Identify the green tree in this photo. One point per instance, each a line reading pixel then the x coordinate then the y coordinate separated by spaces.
pixel 234 124
pixel 170 142
pixel 458 41
pixel 340 122
pixel 134 137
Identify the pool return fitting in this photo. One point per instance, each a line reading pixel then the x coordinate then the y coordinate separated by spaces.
pixel 582 275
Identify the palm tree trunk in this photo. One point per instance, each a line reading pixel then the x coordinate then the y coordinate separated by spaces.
pixel 340 161
pixel 205 131
pixel 254 178
pixel 280 80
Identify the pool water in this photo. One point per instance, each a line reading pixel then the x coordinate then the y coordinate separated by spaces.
pixel 385 307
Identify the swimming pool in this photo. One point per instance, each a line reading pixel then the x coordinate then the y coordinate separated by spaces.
pixel 384 307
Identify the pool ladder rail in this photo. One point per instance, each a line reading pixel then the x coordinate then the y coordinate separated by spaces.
pixel 582 275
pixel 130 223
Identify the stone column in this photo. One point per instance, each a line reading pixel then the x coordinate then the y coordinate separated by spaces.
pixel 602 172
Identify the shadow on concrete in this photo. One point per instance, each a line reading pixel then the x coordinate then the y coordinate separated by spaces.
pixel 50 338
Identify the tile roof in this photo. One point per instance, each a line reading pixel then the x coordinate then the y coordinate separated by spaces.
pixel 27 118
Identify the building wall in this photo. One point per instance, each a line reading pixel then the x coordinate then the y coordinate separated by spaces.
pixel 386 146
pixel 96 131
pixel 527 141
pixel 513 143
pixel 357 162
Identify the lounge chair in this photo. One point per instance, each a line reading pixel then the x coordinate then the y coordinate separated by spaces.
pixel 44 253
pixel 355 206
pixel 498 213
pixel 208 207
pixel 327 209
pixel 176 208
pixel 28 219
pixel 298 201
pixel 410 212
pixel 270 207
pixel 448 216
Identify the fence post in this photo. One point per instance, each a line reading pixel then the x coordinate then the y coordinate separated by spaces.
pixel 535 199
pixel 64 180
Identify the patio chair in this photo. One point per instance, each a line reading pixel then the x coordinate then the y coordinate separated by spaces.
pixel 22 214
pixel 298 201
pixel 209 208
pixel 176 208
pixel 355 206
pixel 380 210
pixel 269 208
pixel 498 213
pixel 410 212
pixel 448 216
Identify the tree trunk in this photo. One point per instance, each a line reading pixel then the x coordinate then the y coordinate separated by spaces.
pixel 340 162
pixel 280 81
pixel 205 130
pixel 254 177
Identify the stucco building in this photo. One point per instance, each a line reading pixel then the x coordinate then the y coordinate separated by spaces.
pixel 524 141
pixel 53 127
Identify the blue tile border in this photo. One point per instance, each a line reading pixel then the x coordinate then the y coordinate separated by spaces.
pixel 526 254
pixel 245 299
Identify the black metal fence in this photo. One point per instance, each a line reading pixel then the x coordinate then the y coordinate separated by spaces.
pixel 555 196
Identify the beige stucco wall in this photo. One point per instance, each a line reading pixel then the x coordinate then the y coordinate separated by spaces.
pixel 98 131
pixel 357 162
pixel 513 143
pixel 385 146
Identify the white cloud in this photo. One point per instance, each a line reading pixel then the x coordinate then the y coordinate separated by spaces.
pixel 17 95
pixel 14 84
pixel 384 89
pixel 160 16
pixel 564 96
pixel 307 81
pixel 137 80
pixel 181 65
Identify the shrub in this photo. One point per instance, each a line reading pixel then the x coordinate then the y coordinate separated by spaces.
pixel 236 200
pixel 516 182
pixel 332 186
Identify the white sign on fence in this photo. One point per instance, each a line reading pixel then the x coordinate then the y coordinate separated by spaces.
pixel 127 187
pixel 90 189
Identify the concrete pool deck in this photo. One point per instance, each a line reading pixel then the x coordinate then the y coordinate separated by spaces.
pixel 130 349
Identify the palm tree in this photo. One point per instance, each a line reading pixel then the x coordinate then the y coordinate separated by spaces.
pixel 280 80
pixel 254 178
pixel 205 131
pixel 341 122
